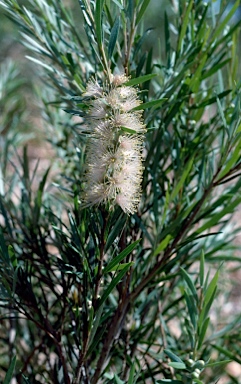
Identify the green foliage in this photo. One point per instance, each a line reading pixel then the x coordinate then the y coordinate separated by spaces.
pixel 10 371
pixel 12 107
pixel 91 295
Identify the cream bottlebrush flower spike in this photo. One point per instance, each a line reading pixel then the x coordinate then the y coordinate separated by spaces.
pixel 114 152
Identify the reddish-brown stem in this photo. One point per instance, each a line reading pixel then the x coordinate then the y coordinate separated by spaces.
pixel 116 322
pixel 101 261
pixel 128 45
pixel 82 354
pixel 48 329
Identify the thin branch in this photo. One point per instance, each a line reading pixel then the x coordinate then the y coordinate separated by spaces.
pixel 128 43
pixel 115 326
pixel 82 353
pixel 101 261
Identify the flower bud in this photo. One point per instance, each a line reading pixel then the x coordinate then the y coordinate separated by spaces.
pixel 199 364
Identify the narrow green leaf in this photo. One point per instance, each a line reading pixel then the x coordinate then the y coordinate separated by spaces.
pixel 131 376
pixel 196 78
pixel 145 230
pixel 113 37
pixel 202 332
pixel 118 4
pixel 98 20
pixel 150 104
pixel 141 79
pixel 222 25
pixel 172 356
pixel 90 319
pixel 26 380
pixel 43 64
pixel 203 30
pixel 142 11
pixel 164 243
pixel 12 256
pixel 113 284
pixel 202 269
pixel 182 179
pixel 79 82
pixel 121 266
pixel 3 247
pixel 217 217
pixel 95 324
pixel 227 353
pixel 10 371
pixel 219 42
pixel 189 282
pixel 74 112
pixel 184 25
pixel 118 380
pixel 226 329
pixel 130 9
pixel 215 69
pixel 212 100
pixel 235 156
pixel 177 365
pixel 220 109
pixel 38 199
pixel 206 308
pixel 26 167
pixel 117 228
pixel 192 309
pixel 211 287
pixel 217 363
pixel 117 260
pixel 128 130
pixel 4 213
pixel 96 340
pixel 197 381
pixel 34 45
pixel 167 38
